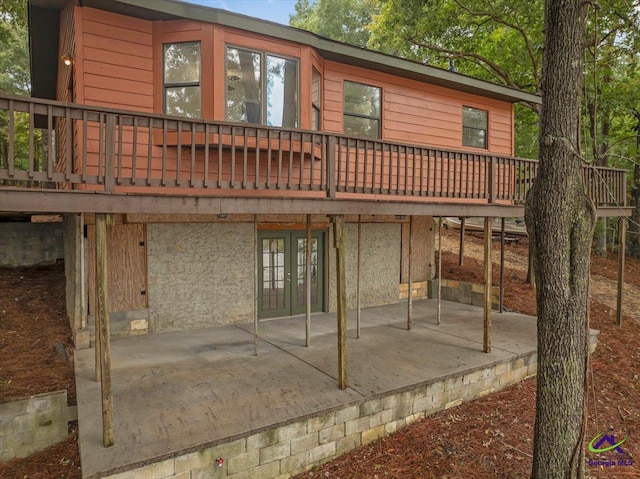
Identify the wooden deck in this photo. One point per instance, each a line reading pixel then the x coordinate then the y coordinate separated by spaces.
pixel 117 152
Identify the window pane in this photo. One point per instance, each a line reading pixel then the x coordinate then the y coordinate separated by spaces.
pixel 357 126
pixel 474 127
pixel 183 101
pixel 182 63
pixel 316 82
pixel 243 86
pixel 282 92
pixel 361 99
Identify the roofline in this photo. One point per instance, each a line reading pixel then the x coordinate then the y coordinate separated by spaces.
pixel 333 50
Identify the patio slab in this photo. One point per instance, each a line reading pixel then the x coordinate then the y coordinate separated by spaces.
pixel 175 392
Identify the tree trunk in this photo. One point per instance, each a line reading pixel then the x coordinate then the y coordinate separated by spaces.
pixel 560 220
pixel 633 241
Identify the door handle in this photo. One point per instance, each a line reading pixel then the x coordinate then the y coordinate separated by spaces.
pixel 289 277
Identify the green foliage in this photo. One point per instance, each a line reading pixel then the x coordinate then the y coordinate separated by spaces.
pixel 342 20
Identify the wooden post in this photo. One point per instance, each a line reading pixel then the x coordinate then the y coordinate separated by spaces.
pixel 341 299
pixel 307 323
pixel 488 222
pixel 502 265
pixel 439 308
pixel 461 249
pixel 409 279
pixel 256 282
pixel 102 318
pixel 358 278
pixel 622 230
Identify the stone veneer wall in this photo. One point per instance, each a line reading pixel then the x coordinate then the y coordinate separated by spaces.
pixel 291 448
pixel 32 424
pixel 463 292
pixel 199 275
pixel 379 264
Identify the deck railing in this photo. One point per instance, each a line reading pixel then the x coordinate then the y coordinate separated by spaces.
pixel 107 150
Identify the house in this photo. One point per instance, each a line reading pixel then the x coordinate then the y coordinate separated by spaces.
pixel 200 129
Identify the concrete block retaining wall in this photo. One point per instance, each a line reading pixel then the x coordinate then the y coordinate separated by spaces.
pixel 288 449
pixel 463 292
pixel 30 244
pixel 32 424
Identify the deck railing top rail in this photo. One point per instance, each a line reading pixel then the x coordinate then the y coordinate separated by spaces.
pixel 109 150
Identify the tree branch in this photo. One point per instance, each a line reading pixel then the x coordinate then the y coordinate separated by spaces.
pixel 520 30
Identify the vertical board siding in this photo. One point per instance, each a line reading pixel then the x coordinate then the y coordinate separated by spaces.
pixel 64 85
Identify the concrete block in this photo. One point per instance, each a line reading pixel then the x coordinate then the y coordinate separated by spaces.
pixel 394 426
pixel 390 402
pixel 381 417
pixel 230 449
pixel 194 460
pixel 294 463
pixel 347 414
pixel 81 339
pixel 286 433
pixel 454 403
pixel 262 439
pixel 413 418
pixel 139 326
pixel 303 443
pixel 243 462
pixel 421 404
pixel 332 433
pixel 356 425
pixel 348 443
pixel 321 452
pixel 260 472
pixel 321 422
pixel 157 470
pixel 370 407
pixel 275 452
pixel 373 434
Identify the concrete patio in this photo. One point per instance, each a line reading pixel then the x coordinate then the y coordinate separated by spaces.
pixel 179 393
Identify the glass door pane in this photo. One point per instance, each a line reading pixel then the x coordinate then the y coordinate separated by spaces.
pixel 300 280
pixel 275 280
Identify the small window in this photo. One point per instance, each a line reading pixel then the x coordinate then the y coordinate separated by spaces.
pixel 474 127
pixel 261 88
pixel 182 79
pixel 361 110
pixel 316 91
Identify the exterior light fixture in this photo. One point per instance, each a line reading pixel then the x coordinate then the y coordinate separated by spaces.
pixel 401 217
pixel 67 59
pixel 222 215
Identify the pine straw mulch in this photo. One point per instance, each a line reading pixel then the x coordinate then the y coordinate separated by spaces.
pixel 487 438
pixel 492 437
pixel 36 356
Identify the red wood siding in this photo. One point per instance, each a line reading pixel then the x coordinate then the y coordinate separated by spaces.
pixel 415 112
pixel 117 63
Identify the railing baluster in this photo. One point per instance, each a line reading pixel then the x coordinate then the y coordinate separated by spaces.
pixel 11 159
pixel 232 180
pixel 179 153
pixel 331 166
pixel 257 169
pixel 150 152
pixel 192 175
pixel 32 150
pixel 290 166
pixel 301 179
pixel 207 132
pixel 134 150
pixel 245 154
pixel 268 182
pixel 118 150
pixel 68 125
pixel 163 177
pixel 50 152
pixel 109 154
pixel 220 133
pixel 312 160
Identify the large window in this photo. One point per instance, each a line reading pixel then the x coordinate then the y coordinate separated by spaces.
pixel 316 92
pixel 361 110
pixel 261 88
pixel 474 127
pixel 182 79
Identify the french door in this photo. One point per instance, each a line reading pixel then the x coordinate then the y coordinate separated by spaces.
pixel 282 272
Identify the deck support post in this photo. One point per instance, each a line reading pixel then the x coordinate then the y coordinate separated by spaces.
pixel 102 323
pixel 255 284
pixel 488 222
pixel 341 299
pixel 359 260
pixel 307 281
pixel 409 279
pixel 502 239
pixel 439 308
pixel 622 230
pixel 461 249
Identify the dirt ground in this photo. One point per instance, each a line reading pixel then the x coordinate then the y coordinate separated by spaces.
pixel 487 438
